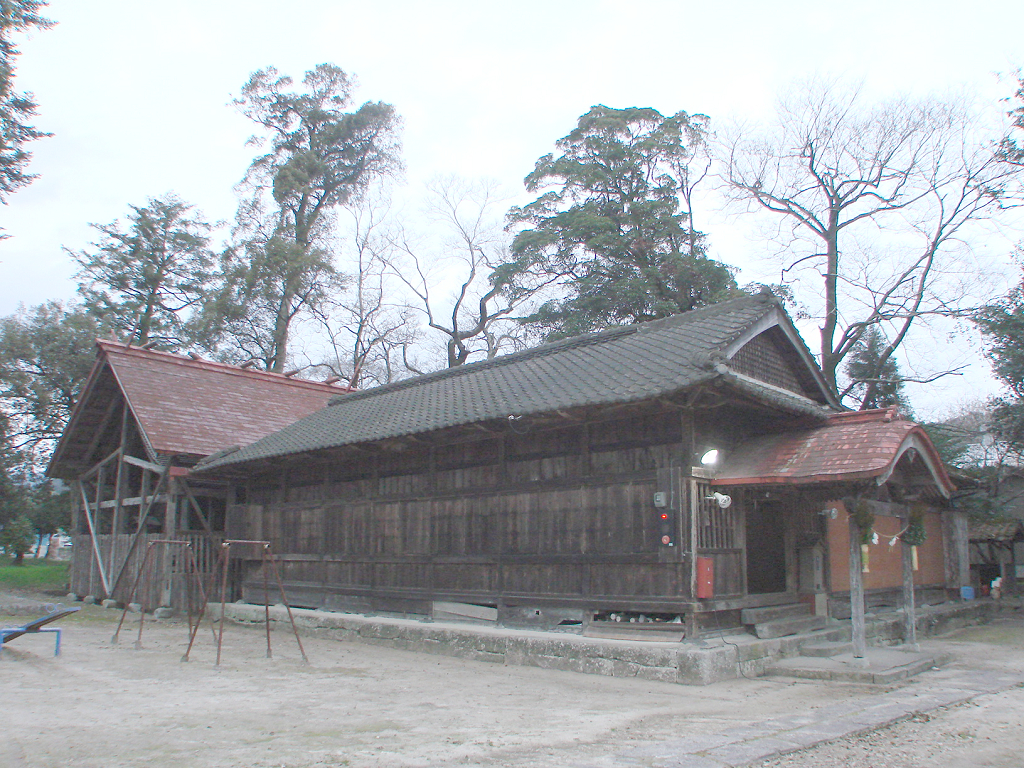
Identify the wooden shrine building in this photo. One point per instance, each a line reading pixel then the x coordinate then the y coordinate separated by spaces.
pixel 142 421
pixel 681 470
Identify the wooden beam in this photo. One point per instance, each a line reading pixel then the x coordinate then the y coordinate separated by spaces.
pixel 101 428
pixel 95 543
pixel 100 464
pixel 142 464
pixel 909 608
pixel 857 594
pixel 883 508
pixel 119 477
pixel 143 514
pixel 134 501
pixel 195 505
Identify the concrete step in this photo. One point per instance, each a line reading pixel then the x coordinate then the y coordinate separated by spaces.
pixel 882 666
pixel 796 625
pixel 772 612
pixel 825 649
pixel 662 633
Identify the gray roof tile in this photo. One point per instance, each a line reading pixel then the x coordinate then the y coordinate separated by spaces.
pixel 623 364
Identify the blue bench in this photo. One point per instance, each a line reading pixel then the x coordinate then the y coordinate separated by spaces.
pixel 38 625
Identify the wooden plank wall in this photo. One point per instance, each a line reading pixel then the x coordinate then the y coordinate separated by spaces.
pixel 84 575
pixel 560 513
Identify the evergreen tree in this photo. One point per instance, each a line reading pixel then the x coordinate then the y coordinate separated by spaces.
pixel 875 377
pixel 320 157
pixel 147 277
pixel 612 230
pixel 16 108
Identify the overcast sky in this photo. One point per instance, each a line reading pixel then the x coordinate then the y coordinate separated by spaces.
pixel 137 93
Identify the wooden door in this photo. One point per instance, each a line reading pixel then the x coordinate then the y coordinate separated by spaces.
pixel 766 548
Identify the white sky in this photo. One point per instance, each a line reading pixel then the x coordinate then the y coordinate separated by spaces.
pixel 137 93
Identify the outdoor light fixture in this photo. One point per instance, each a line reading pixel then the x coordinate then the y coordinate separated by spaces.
pixel 723 500
pixel 710 458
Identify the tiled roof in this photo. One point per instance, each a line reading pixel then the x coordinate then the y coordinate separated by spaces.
pixel 620 365
pixel 195 406
pixel 849 446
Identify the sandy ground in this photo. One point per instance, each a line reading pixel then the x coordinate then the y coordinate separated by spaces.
pixel 104 706
pixel 987 732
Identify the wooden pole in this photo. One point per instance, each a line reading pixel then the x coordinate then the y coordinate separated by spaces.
pixel 93 535
pixel 909 608
pixel 170 529
pixel 857 593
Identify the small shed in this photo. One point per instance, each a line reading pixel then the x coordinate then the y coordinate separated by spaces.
pixel 143 420
pixel 997 552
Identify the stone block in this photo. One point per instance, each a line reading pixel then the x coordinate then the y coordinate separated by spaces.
pixel 773 612
pixel 701 666
pixel 163 612
pixel 825 649
pixel 790 626
pixel 109 603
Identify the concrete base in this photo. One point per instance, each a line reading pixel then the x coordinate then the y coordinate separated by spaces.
pixel 690 663
pixel 880 666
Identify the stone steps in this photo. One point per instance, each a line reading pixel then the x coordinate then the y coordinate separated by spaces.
pixel 772 612
pixel 825 649
pixel 882 666
pixel 796 625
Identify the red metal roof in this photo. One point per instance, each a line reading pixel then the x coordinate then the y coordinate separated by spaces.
pixel 849 446
pixel 198 407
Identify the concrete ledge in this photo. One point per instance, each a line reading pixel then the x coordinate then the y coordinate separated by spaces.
pixel 687 663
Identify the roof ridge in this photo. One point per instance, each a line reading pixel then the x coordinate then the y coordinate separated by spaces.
pixel 553 347
pixel 887 414
pixel 109 345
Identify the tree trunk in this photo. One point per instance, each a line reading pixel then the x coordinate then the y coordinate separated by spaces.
pixel 829 360
pixel 281 323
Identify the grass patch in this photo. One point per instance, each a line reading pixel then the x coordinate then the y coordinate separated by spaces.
pixel 34 575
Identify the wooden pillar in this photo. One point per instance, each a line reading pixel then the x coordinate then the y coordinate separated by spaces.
pixel 171 510
pixel 857 593
pixel 909 609
pixel 170 528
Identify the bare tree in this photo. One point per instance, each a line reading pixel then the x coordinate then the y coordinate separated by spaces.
pixel 477 317
pixel 369 331
pixel 878 202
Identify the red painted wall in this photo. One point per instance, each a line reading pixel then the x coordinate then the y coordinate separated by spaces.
pixel 885 564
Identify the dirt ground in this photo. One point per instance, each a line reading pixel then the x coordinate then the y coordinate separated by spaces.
pixel 987 732
pixel 104 706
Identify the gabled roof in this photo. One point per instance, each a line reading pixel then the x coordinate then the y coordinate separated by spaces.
pixel 860 445
pixel 619 365
pixel 185 406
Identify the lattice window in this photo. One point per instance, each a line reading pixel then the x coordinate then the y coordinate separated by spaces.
pixel 716 527
pixel 761 359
